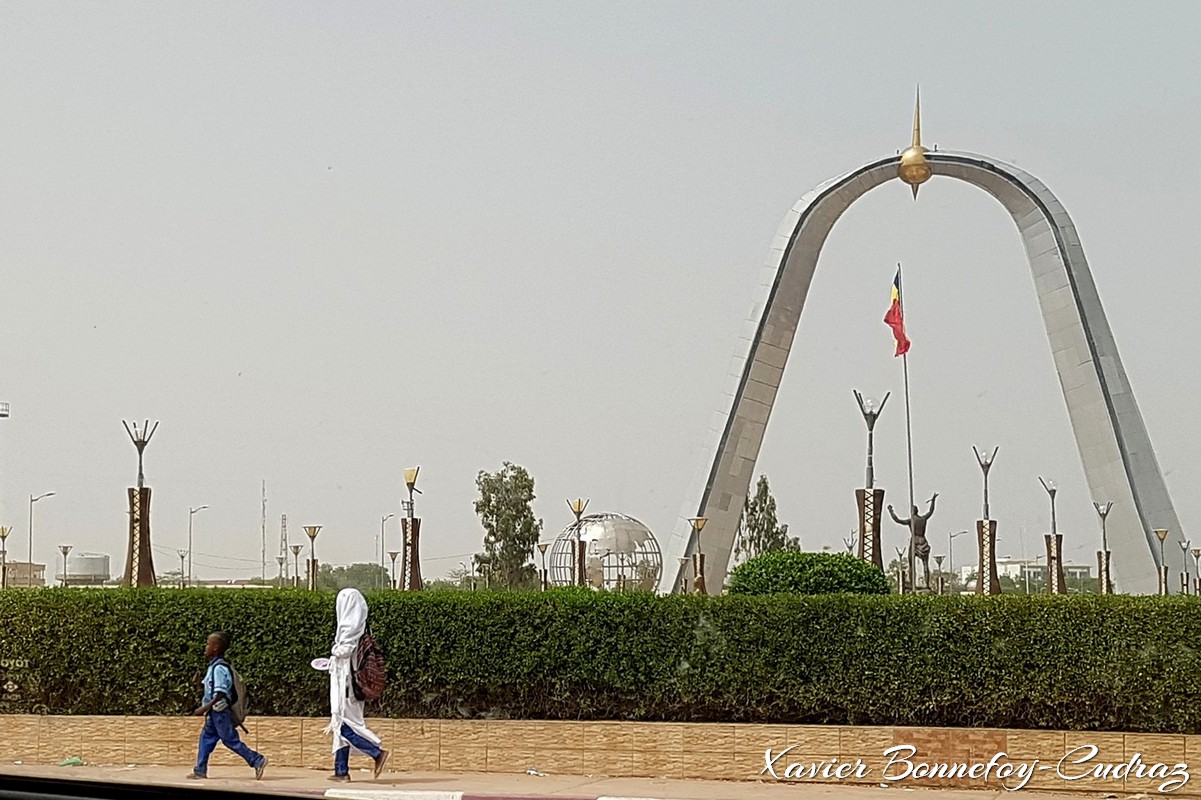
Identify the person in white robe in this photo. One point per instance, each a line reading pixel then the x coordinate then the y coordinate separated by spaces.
pixel 346 721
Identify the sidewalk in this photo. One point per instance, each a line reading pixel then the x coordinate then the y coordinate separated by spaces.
pixel 492 786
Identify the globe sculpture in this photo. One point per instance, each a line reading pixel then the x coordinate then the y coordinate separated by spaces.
pixel 620 554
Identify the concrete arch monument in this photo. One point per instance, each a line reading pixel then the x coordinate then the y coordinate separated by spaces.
pixel 1119 462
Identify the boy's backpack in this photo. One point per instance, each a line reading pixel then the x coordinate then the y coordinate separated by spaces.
pixel 239 704
pixel 367 670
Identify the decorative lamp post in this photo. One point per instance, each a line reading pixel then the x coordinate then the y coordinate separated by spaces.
pixel 32 500
pixel 987 579
pixel 698 559
pixel 1162 535
pixel 311 531
pixel 941 580
pixel 1105 582
pixel 870 499
pixel 1055 582
pixel 579 558
pixel 183 555
pixel 4 532
pixel 1184 581
pixel 410 527
pixel 64 549
pixel 191 513
pixel 392 554
pixel 281 560
pixel 296 548
pixel 545 575
pixel 901 569
pixel 1197 561
pixel 684 574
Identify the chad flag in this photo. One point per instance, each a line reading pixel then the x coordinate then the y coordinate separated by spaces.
pixel 895 318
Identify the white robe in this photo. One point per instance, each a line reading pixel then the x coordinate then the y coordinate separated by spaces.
pixel 344 708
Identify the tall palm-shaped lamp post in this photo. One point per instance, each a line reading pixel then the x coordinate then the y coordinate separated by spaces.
pixel 578 555
pixel 1054 539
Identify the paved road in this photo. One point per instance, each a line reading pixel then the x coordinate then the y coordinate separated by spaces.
pixel 312 783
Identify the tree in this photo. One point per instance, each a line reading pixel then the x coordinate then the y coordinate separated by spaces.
pixel 758 529
pixel 794 572
pixel 510 528
pixel 364 577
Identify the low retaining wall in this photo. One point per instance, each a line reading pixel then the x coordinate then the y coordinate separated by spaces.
pixel 632 749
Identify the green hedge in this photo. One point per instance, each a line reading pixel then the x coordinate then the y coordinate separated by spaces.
pixel 798 572
pixel 1078 662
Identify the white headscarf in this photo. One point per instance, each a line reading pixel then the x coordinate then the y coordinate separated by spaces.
pixel 343 708
pixel 352 622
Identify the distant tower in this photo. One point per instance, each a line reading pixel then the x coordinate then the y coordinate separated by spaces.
pixel 139 564
pixel 283 542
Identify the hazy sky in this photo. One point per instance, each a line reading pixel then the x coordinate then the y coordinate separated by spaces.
pixel 324 242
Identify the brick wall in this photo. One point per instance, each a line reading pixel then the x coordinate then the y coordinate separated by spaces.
pixel 618 749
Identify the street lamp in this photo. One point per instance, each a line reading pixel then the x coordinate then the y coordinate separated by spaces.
pixel 1184 547
pixel 311 531
pixel 191 513
pixel 4 532
pixel 1162 535
pixel 545 576
pixel 64 549
pixel 698 559
pixel 951 553
pixel 183 554
pixel 33 500
pixel 296 548
pixel 382 522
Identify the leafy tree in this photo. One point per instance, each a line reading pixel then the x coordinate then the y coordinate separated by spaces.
pixel 364 577
pixel 758 529
pixel 511 530
pixel 795 572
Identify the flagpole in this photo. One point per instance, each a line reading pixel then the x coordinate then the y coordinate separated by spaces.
pixel 908 434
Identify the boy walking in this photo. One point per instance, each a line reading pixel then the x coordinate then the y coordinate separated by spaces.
pixel 218 726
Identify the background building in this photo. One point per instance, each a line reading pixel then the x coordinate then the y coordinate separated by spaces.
pixel 18 574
